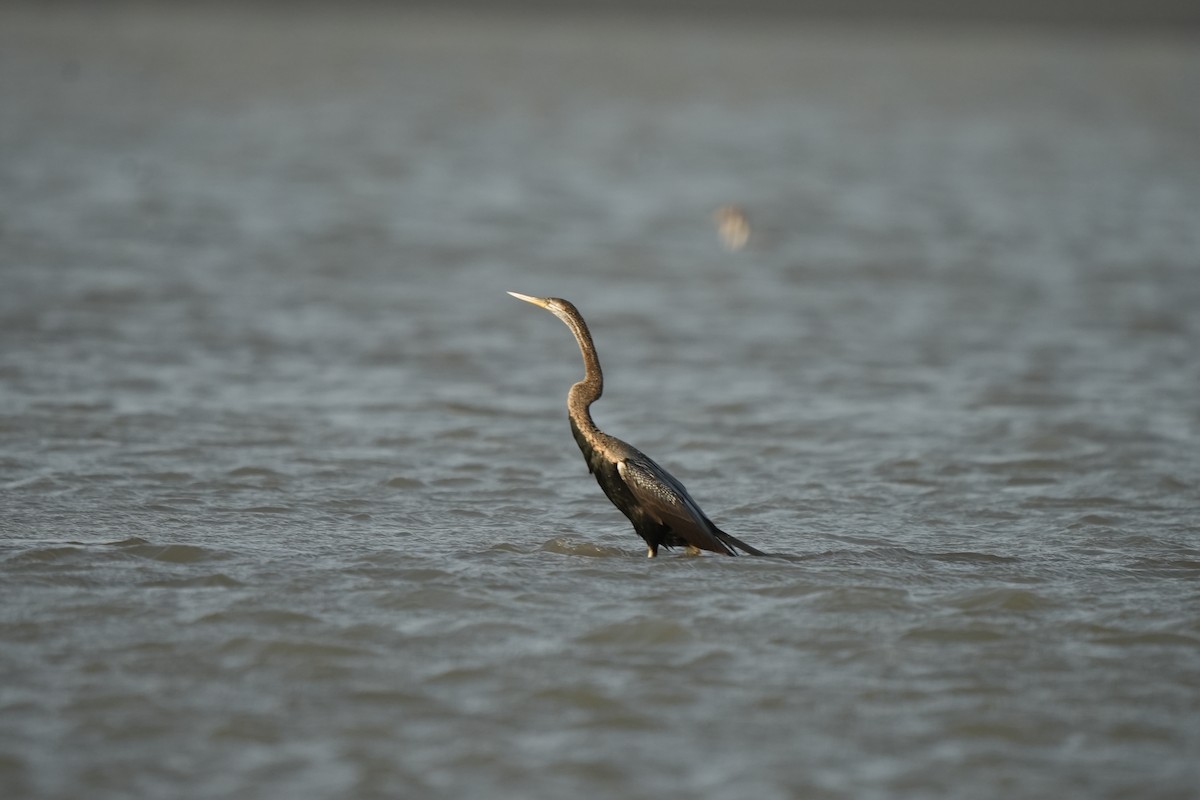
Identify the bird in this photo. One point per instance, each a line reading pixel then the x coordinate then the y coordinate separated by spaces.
pixel 656 503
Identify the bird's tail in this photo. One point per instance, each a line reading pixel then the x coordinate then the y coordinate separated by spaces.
pixel 732 541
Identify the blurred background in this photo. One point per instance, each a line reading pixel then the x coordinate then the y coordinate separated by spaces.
pixel 1068 13
pixel 909 295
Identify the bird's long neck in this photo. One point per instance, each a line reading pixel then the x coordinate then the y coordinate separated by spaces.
pixel 588 390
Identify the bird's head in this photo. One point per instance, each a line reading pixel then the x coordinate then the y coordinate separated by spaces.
pixel 563 309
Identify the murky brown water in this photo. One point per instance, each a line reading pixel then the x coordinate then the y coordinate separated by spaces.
pixel 288 503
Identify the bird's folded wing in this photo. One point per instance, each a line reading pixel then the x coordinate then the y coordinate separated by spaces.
pixel 665 499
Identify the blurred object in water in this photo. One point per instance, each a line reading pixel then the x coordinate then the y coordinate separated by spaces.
pixel 732 226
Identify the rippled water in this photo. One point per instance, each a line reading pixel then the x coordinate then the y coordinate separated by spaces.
pixel 289 503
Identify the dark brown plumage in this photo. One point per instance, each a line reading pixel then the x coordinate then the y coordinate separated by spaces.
pixel 661 510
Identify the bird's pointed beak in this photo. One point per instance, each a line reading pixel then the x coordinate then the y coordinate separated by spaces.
pixel 537 301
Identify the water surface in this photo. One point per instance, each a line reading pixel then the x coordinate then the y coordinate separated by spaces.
pixel 288 502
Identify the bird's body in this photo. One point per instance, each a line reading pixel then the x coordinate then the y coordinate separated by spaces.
pixel 660 508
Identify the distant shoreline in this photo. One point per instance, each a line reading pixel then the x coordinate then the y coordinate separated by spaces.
pixel 1182 16
pixel 1157 14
